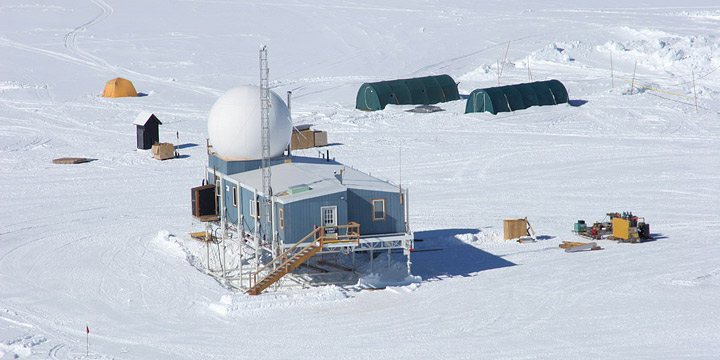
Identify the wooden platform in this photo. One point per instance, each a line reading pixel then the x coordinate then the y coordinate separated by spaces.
pixel 201 235
pixel 206 218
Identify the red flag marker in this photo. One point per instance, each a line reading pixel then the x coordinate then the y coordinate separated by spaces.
pixel 87 329
pixel 87 338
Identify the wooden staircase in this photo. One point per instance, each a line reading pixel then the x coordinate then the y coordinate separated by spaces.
pixel 286 267
pixel 292 258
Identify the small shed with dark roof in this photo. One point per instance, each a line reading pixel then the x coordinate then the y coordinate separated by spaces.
pixel 148 132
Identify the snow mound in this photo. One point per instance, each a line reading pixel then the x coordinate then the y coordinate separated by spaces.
pixel 221 307
pixel 20 347
pixel 561 52
pixel 661 51
pixel 481 237
pixel 241 305
pixel 712 15
pixel 386 279
pixel 166 242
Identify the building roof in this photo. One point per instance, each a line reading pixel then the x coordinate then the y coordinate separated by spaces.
pixel 322 177
pixel 143 118
pixel 302 127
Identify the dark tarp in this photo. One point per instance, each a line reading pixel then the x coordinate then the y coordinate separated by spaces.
pixel 417 91
pixel 516 97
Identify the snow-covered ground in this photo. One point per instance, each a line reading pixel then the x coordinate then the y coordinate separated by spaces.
pixel 99 244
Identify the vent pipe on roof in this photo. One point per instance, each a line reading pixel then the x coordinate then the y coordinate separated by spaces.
pixel 339 176
pixel 288 101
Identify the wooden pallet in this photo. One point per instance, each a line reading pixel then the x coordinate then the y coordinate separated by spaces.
pixel 72 160
pixel 571 246
pixel 202 236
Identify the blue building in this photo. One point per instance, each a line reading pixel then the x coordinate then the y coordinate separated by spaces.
pixel 306 209
pixel 308 193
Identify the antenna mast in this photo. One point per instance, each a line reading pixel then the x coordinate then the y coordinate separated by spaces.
pixel 265 119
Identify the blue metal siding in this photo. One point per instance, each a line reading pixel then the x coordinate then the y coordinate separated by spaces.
pixel 302 216
pixel 231 214
pixel 248 221
pixel 229 167
pixel 360 211
pixel 245 197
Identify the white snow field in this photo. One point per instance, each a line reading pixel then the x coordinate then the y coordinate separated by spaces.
pixel 100 244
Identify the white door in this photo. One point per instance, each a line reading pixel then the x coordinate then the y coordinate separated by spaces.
pixel 328 219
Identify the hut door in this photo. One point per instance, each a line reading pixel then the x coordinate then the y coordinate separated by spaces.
pixel 328 219
pixel 141 139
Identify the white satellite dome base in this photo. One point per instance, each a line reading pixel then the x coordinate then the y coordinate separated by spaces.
pixel 235 127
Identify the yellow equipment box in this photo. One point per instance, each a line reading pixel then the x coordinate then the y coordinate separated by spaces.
pixel 621 228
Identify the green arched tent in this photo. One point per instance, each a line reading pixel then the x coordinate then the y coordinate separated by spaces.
pixel 419 91
pixel 516 97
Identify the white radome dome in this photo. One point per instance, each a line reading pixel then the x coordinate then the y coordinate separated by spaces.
pixel 235 128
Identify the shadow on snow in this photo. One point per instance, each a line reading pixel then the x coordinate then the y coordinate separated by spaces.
pixel 186 145
pixel 440 253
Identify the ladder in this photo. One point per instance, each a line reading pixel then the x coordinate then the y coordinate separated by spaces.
pixel 292 258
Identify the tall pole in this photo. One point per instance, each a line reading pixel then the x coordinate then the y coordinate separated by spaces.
pixel 288 100
pixel 529 73
pixel 632 84
pixel 612 74
pixel 504 60
pixel 694 91
pixel 266 171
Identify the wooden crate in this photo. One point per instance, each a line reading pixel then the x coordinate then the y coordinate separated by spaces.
pixel 320 138
pixel 163 151
pixel 303 139
pixel 514 228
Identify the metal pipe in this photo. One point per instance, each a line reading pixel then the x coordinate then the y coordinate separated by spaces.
pixel 288 102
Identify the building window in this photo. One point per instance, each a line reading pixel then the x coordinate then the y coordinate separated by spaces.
pixel 378 209
pixel 281 218
pixel 255 209
pixel 328 215
pixel 235 196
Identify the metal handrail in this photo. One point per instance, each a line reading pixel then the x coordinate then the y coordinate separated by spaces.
pixel 314 232
pixel 352 234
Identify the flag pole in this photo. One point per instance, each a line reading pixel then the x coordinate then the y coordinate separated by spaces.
pixel 87 338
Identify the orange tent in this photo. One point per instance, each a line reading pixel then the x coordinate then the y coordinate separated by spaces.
pixel 119 87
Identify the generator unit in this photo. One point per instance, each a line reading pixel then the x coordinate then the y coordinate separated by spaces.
pixel 629 228
pixel 580 226
pixel 624 227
